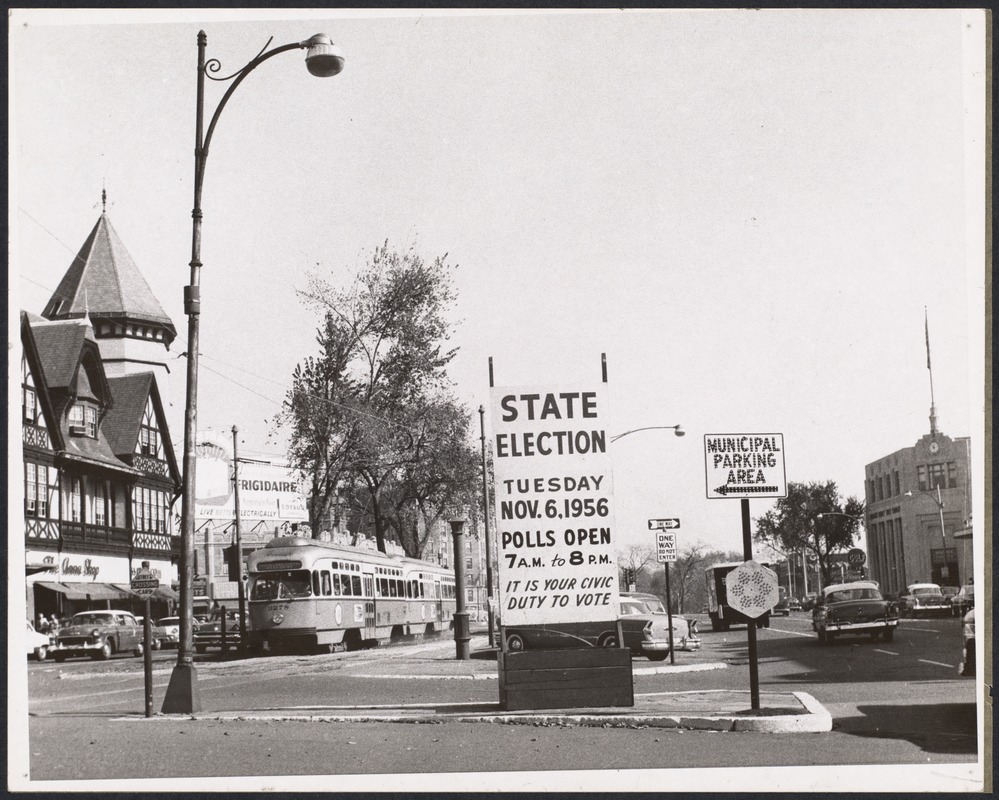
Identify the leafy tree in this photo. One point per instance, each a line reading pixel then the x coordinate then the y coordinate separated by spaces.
pixel 686 577
pixel 633 562
pixel 370 417
pixel 794 522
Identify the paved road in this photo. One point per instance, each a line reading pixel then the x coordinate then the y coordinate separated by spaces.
pixel 897 703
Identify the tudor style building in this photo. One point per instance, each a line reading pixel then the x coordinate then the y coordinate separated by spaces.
pixel 100 475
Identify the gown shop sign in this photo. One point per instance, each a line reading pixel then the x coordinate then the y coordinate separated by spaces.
pixel 554 505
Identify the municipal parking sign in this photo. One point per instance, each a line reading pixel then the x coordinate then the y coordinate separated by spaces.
pixel 744 465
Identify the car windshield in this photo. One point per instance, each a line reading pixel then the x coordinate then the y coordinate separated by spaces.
pixel 845 595
pixel 654 604
pixel 629 607
pixel 170 621
pixel 274 586
pixel 93 619
pixel 925 590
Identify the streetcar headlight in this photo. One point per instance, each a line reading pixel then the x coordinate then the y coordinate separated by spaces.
pixel 277 619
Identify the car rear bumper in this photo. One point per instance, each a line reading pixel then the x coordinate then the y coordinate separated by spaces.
pixel 867 625
pixel 656 646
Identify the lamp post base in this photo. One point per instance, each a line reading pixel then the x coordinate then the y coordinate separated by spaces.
pixel 182 695
pixel 462 635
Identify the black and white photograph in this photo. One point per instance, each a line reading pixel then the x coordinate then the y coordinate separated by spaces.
pixel 498 400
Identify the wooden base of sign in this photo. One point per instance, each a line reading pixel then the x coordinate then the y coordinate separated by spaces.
pixel 592 677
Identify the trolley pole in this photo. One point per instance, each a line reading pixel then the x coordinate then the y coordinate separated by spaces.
pixel 461 630
pixel 485 517
pixel 754 667
pixel 239 548
pixel 669 614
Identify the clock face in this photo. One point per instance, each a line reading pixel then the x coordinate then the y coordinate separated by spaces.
pixel 934 447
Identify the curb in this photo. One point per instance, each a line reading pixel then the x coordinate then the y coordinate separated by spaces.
pixel 816 719
pixel 492 676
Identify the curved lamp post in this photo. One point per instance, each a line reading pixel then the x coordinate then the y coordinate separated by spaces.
pixel 323 59
pixel 677 431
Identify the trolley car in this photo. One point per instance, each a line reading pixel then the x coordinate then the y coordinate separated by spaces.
pixel 305 594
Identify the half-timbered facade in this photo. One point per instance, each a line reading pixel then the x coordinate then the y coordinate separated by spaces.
pixel 100 475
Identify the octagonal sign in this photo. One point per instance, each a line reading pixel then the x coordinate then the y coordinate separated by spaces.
pixel 752 589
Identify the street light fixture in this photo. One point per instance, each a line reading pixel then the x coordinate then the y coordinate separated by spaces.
pixel 677 431
pixel 323 59
pixel 944 571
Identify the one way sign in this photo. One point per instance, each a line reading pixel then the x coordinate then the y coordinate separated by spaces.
pixel 663 524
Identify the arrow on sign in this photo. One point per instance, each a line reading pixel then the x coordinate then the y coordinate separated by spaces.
pixel 731 489
pixel 663 524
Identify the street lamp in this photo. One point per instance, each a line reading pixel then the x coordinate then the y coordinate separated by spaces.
pixel 323 59
pixel 677 431
pixel 944 571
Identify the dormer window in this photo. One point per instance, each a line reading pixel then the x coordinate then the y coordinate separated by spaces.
pixel 149 439
pixel 83 420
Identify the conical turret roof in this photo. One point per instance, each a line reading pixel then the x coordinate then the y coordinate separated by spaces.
pixel 104 282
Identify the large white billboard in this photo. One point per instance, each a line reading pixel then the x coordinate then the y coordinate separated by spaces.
pixel 266 491
pixel 554 499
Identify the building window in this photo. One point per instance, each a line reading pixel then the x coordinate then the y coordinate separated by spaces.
pixel 90 417
pixel 76 414
pixel 36 478
pixel 938 476
pixel 898 484
pixel 470 595
pixel 951 475
pixel 468 545
pixel 75 504
pixel 921 477
pixel 100 504
pixel 870 490
pixel 149 444
pixel 880 484
pixel 29 405
pixel 468 563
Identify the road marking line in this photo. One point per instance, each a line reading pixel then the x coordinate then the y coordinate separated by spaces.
pixel 935 663
pixel 886 652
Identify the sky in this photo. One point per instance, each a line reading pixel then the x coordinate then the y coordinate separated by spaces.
pixel 749 212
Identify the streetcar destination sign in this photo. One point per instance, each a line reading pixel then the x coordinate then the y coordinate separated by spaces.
pixel 663 524
pixel 744 465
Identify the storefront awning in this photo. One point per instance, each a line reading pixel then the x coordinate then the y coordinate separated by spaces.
pixel 160 593
pixel 86 591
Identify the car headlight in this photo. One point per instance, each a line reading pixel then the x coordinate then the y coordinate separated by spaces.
pixel 94 633
pixel 969 630
pixel 277 618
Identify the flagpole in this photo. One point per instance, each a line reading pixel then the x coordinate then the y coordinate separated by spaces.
pixel 933 406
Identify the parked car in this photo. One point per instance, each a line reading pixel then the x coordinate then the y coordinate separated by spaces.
pixel 967 667
pixel 172 627
pixel 684 629
pixel 38 643
pixel 856 608
pixel 783 608
pixel 808 601
pixel 98 634
pixel 923 599
pixel 963 601
pixel 160 636
pixel 794 604
pixel 644 633
pixel 209 634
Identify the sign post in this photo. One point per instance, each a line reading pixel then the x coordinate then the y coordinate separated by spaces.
pixel 557 545
pixel 666 553
pixel 745 465
pixel 144 583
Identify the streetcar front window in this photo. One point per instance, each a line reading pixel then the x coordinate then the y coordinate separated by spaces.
pixel 282 585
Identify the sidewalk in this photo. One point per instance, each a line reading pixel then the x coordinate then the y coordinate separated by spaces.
pixel 716 710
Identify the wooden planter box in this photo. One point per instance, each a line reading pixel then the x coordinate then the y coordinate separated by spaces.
pixel 590 677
